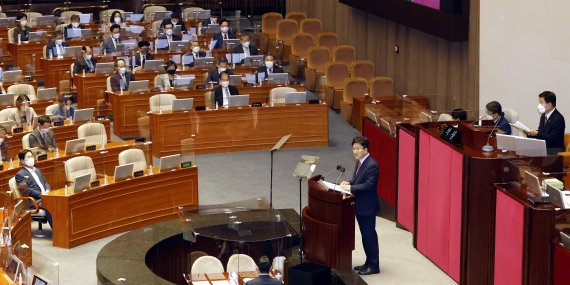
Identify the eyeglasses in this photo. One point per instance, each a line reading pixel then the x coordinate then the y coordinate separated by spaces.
pixel 357 148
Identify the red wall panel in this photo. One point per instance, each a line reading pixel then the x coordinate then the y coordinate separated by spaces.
pixel 509 239
pixel 406 178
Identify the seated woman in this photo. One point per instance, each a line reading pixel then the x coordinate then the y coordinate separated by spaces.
pixel 495 110
pixel 23 114
pixel 166 81
pixel 64 109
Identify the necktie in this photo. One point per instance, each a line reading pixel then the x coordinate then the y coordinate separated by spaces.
pixel 225 36
pixel 45 139
pixel 358 167
pixel 196 55
pixel 123 83
pixel 59 50
pixel 89 64
pixel 226 96
pixel 142 60
pixel 246 51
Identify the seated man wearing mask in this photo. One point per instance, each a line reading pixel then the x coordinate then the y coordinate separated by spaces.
pixel 174 20
pixel 196 53
pixel 269 66
pixel 246 48
pixel 169 36
pixel 110 44
pixel 87 62
pixel 224 34
pixel 57 46
pixel 143 55
pixel 224 90
pixel 121 78
pixel 75 26
pixel 42 137
pixel 31 181
pixel 551 125
pixel 214 75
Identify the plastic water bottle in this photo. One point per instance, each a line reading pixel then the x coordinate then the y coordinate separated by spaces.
pixel 150 170
pixel 19 39
pixel 56 152
pixel 105 181
pixel 11 164
pixel 83 72
pixel 50 52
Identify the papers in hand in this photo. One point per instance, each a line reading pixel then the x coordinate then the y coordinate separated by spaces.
pixel 521 126
pixel 333 186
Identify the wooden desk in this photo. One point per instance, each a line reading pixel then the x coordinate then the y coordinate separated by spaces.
pixel 33 83
pixel 243 277
pixel 394 105
pixel 21 233
pixel 89 89
pixel 240 129
pixel 119 207
pixel 62 135
pixel 6 56
pixel 29 53
pixel 59 69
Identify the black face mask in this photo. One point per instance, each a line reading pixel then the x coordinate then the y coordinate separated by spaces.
pixel 171 71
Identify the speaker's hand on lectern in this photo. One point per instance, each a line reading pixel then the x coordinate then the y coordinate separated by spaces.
pixel 344 185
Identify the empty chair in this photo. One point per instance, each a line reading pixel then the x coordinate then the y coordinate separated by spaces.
pixel 150 10
pixel 156 26
pixel 297 16
pixel 268 31
pixel 327 39
pixel 344 53
pixel 23 89
pixel 93 133
pixel 381 86
pixel 51 108
pixel 277 94
pixel 193 256
pixel 161 102
pixel 143 123
pixel 26 141
pixel 443 117
pixel 335 74
pixel 32 17
pixel 512 117
pixel 207 264
pixel 135 156
pixel 5 114
pixel 79 165
pixel 286 29
pixel 241 263
pixel 11 35
pixel 317 60
pixel 362 68
pixel 65 15
pixel 299 51
pixel 353 87
pixel 188 11
pixel 312 26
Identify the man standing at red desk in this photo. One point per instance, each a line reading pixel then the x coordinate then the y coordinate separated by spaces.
pixel 363 186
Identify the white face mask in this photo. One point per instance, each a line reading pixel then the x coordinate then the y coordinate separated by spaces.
pixel 23 23
pixel 245 44
pixel 222 69
pixel 541 108
pixel 75 24
pixel 196 49
pixel 58 42
pixel 269 64
pixel 118 20
pixel 117 35
pixel 224 29
pixel 169 32
pixel 225 83
pixel 44 131
pixel 88 56
pixel 174 23
pixel 30 162
pixel 122 70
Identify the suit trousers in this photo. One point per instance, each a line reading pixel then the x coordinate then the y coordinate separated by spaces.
pixel 367 224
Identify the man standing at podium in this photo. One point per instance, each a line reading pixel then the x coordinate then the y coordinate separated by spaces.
pixel 363 186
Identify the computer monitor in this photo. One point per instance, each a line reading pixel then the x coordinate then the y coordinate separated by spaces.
pixel 40 280
pixel 533 185
pixel 153 65
pixel 85 18
pixel 74 146
pixel 138 86
pixel 184 82
pixel 11 75
pixel 235 80
pixel 83 115
pixel 506 142
pixel 296 98
pixel 161 15
pixel 14 268
pixel 179 45
pixel 73 52
pixel 169 162
pixel 45 94
pixel 34 37
pixel 253 60
pixel 46 20
pixel 200 14
pixel 182 104
pixel 203 62
pixel 213 29
pixel 238 100
pixel 104 67
pixel 557 196
pixel 7 99
pixel 124 172
pixel 7 22
pixel 278 78
pixel 81 183
pixel 78 33
pixel 229 44
pixel 530 146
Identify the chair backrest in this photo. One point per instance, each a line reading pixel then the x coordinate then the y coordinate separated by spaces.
pixel 443 117
pixel 11 35
pixel 26 141
pixel 78 166
pixel 156 26
pixel 277 94
pixel 144 127
pixel 286 28
pixel 65 15
pixel 336 73
pixel 158 80
pixel 318 58
pixel 241 263
pixel 301 44
pixel 344 53
pixel 269 22
pixel 135 156
pixel 362 68
pixel 209 99
pixel 93 133
pixel 32 16
pixel 193 256
pixel 312 26
pixel 27 89
pixel 51 108
pixel 160 102
pixel 381 86
pixel 14 187
pixel 149 10
pixel 207 264
pixel 327 39
pixel 354 87
pixel 567 141
pixel 5 114
pixel 512 116
pixel 297 16
pixel 108 81
pixel 191 9
pixel 105 15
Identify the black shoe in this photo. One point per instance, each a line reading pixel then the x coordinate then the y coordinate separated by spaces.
pixel 368 271
pixel 360 267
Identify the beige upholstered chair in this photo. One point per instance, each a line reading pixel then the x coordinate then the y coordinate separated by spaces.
pixel 207 264
pixel 241 263
pixel 353 87
pixel 317 61
pixel 23 89
pixel 79 165
pixel 26 141
pixel 93 133
pixel 11 35
pixel 443 117
pixel 277 94
pixel 156 27
pixel 362 68
pixel 297 16
pixel 144 127
pixel 335 74
pixel 32 18
pixel 135 156
pixel 299 52
pixel 327 39
pixel 344 53
pixel 312 26
pixel 286 29
pixel 512 116
pixel 38 215
pixel 161 102
pixel 150 10
pixel 65 15
pixel 51 108
pixel 5 114
pixel 381 86
pixel 268 33
pixel 109 89
pixel 188 11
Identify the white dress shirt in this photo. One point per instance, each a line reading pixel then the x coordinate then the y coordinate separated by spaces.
pixel 32 171
pixel 226 95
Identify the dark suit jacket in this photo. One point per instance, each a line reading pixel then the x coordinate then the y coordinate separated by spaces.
pixel 275 69
pixel 34 189
pixel 552 131
pixel 200 54
pixel 80 64
pixel 81 26
pixel 148 56
pixel 36 140
pixel 219 38
pixel 108 45
pixel 504 126
pixel 219 94
pixel 51 46
pixel 168 21
pixel 116 81
pixel 23 32
pixel 4 149
pixel 252 50
pixel 174 38
pixel 214 75
pixel 264 280
pixel 363 186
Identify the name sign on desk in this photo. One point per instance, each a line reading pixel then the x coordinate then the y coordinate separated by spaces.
pixel 95 183
pixel 17 130
pixel 200 108
pixel 58 124
pixel 256 104
pixel 186 164
pixel 90 147
pixel 42 157
pixel 100 118
pixel 138 173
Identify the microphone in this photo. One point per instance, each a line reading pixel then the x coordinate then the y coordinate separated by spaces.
pixel 338 168
pixel 481 117
pixel 488 147
pixel 341 170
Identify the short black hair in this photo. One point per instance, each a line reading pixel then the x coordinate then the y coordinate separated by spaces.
pixel 224 20
pixel 459 114
pixel 495 108
pixel 363 141
pixel 21 16
pixel 22 153
pixel 268 54
pixel 174 16
pixel 57 33
pixel 43 119
pixel 264 264
pixel 170 63
pixel 21 98
pixel 549 97
pixel 74 17
pixel 115 13
pixel 222 60
pixel 114 26
pixel 144 44
pixel 224 73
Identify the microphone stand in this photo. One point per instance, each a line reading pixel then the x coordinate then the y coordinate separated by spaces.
pixel 487 147
pixel 276 147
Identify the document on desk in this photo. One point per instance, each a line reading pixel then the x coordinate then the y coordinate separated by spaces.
pixel 220 282
pixel 521 126
pixel 200 282
pixel 333 186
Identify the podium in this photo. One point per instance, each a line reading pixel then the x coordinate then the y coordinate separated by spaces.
pixel 328 227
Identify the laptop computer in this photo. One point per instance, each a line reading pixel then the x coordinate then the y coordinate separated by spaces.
pixel 229 44
pixel 83 115
pixel 74 146
pixel 169 162
pixel 153 65
pixel 534 190
pixel 182 104
pixel 558 198
pixel 253 60
pixel 81 183
pixel 138 86
pixel 7 99
pixel 124 172
pixel 11 75
pixel 14 267
pixel 238 100
pixel 104 67
pixel 184 82
pixel 278 78
pixel 296 98
pixel 34 37
pixel 46 93
pixel 203 62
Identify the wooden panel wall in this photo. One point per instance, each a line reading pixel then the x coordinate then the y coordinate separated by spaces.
pixel 444 71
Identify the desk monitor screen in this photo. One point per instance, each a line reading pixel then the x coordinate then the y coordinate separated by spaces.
pixel 213 29
pixel 530 146
pixel 182 104
pixel 81 182
pixel 7 99
pixel 278 78
pixel 104 67
pixel 34 37
pixel 136 17
pixel 138 86
pixel 82 33
pixel 74 146
pixel 46 93
pixel 184 82
pixel 7 22
pixel 229 44
pixel 296 98
pixel 238 100
pixel 83 115
pixel 506 142
pixel 11 75
pixel 556 196
pixel 161 15
pixel 253 60
pixel 179 45
pixel 200 14
pixel 85 18
pixel 14 267
pixel 153 65
pixel 169 162
pixel 74 52
pixel 40 280
pixel 533 185
pixel 203 62
pixel 235 80
pixel 47 20
pixel 124 172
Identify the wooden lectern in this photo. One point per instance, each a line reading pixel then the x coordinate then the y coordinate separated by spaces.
pixel 328 231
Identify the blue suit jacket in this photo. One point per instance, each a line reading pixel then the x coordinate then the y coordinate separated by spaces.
pixel 363 186
pixel 504 126
pixel 51 46
pixel 220 39
pixel 34 189
pixel 264 280
pixel 214 75
pixel 108 45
